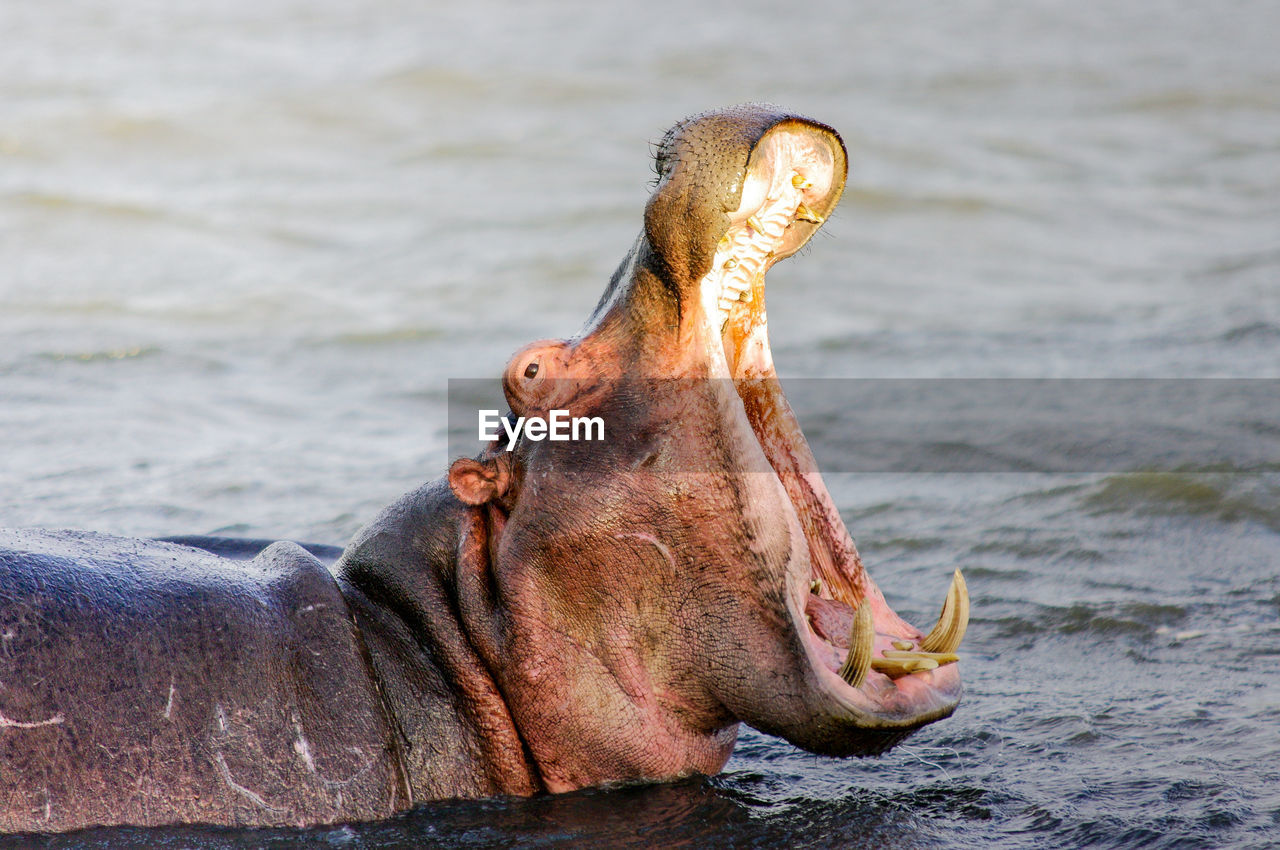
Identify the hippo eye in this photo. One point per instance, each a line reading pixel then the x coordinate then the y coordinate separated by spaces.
pixel 531 370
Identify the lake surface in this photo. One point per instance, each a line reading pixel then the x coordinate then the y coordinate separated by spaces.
pixel 245 246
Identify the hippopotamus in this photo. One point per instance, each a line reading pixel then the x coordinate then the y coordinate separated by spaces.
pixel 549 615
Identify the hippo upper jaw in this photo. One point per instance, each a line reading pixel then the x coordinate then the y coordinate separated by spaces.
pixel 792 179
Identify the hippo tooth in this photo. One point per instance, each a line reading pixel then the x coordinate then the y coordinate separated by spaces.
pixel 907 655
pixel 862 638
pixel 895 668
pixel 815 586
pixel 903 644
pixel 745 251
pixel 953 620
pixel 803 213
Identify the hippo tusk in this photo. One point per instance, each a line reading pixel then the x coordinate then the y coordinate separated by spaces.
pixel 862 638
pixel 953 620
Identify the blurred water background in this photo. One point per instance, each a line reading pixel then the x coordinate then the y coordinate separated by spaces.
pixel 244 246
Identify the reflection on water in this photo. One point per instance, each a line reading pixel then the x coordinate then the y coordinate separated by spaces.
pixel 245 246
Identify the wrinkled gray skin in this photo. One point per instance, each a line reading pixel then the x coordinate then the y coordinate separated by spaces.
pixel 562 615
pixel 144 682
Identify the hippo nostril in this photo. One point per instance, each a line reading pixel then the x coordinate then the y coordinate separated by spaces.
pixel 531 370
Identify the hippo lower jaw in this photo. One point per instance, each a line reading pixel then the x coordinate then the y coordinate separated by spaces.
pixel 875 678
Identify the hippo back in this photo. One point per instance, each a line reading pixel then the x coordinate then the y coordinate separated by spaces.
pixel 145 682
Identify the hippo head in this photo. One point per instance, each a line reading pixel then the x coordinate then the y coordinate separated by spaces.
pixel 690 571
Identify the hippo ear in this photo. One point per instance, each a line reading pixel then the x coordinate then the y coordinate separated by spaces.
pixel 476 482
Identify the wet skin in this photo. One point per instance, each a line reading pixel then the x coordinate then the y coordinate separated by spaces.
pixel 560 615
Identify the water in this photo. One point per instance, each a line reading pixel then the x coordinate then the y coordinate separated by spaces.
pixel 243 247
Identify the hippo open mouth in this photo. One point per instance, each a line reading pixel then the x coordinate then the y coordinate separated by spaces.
pixel 884 675
pixel 691 571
